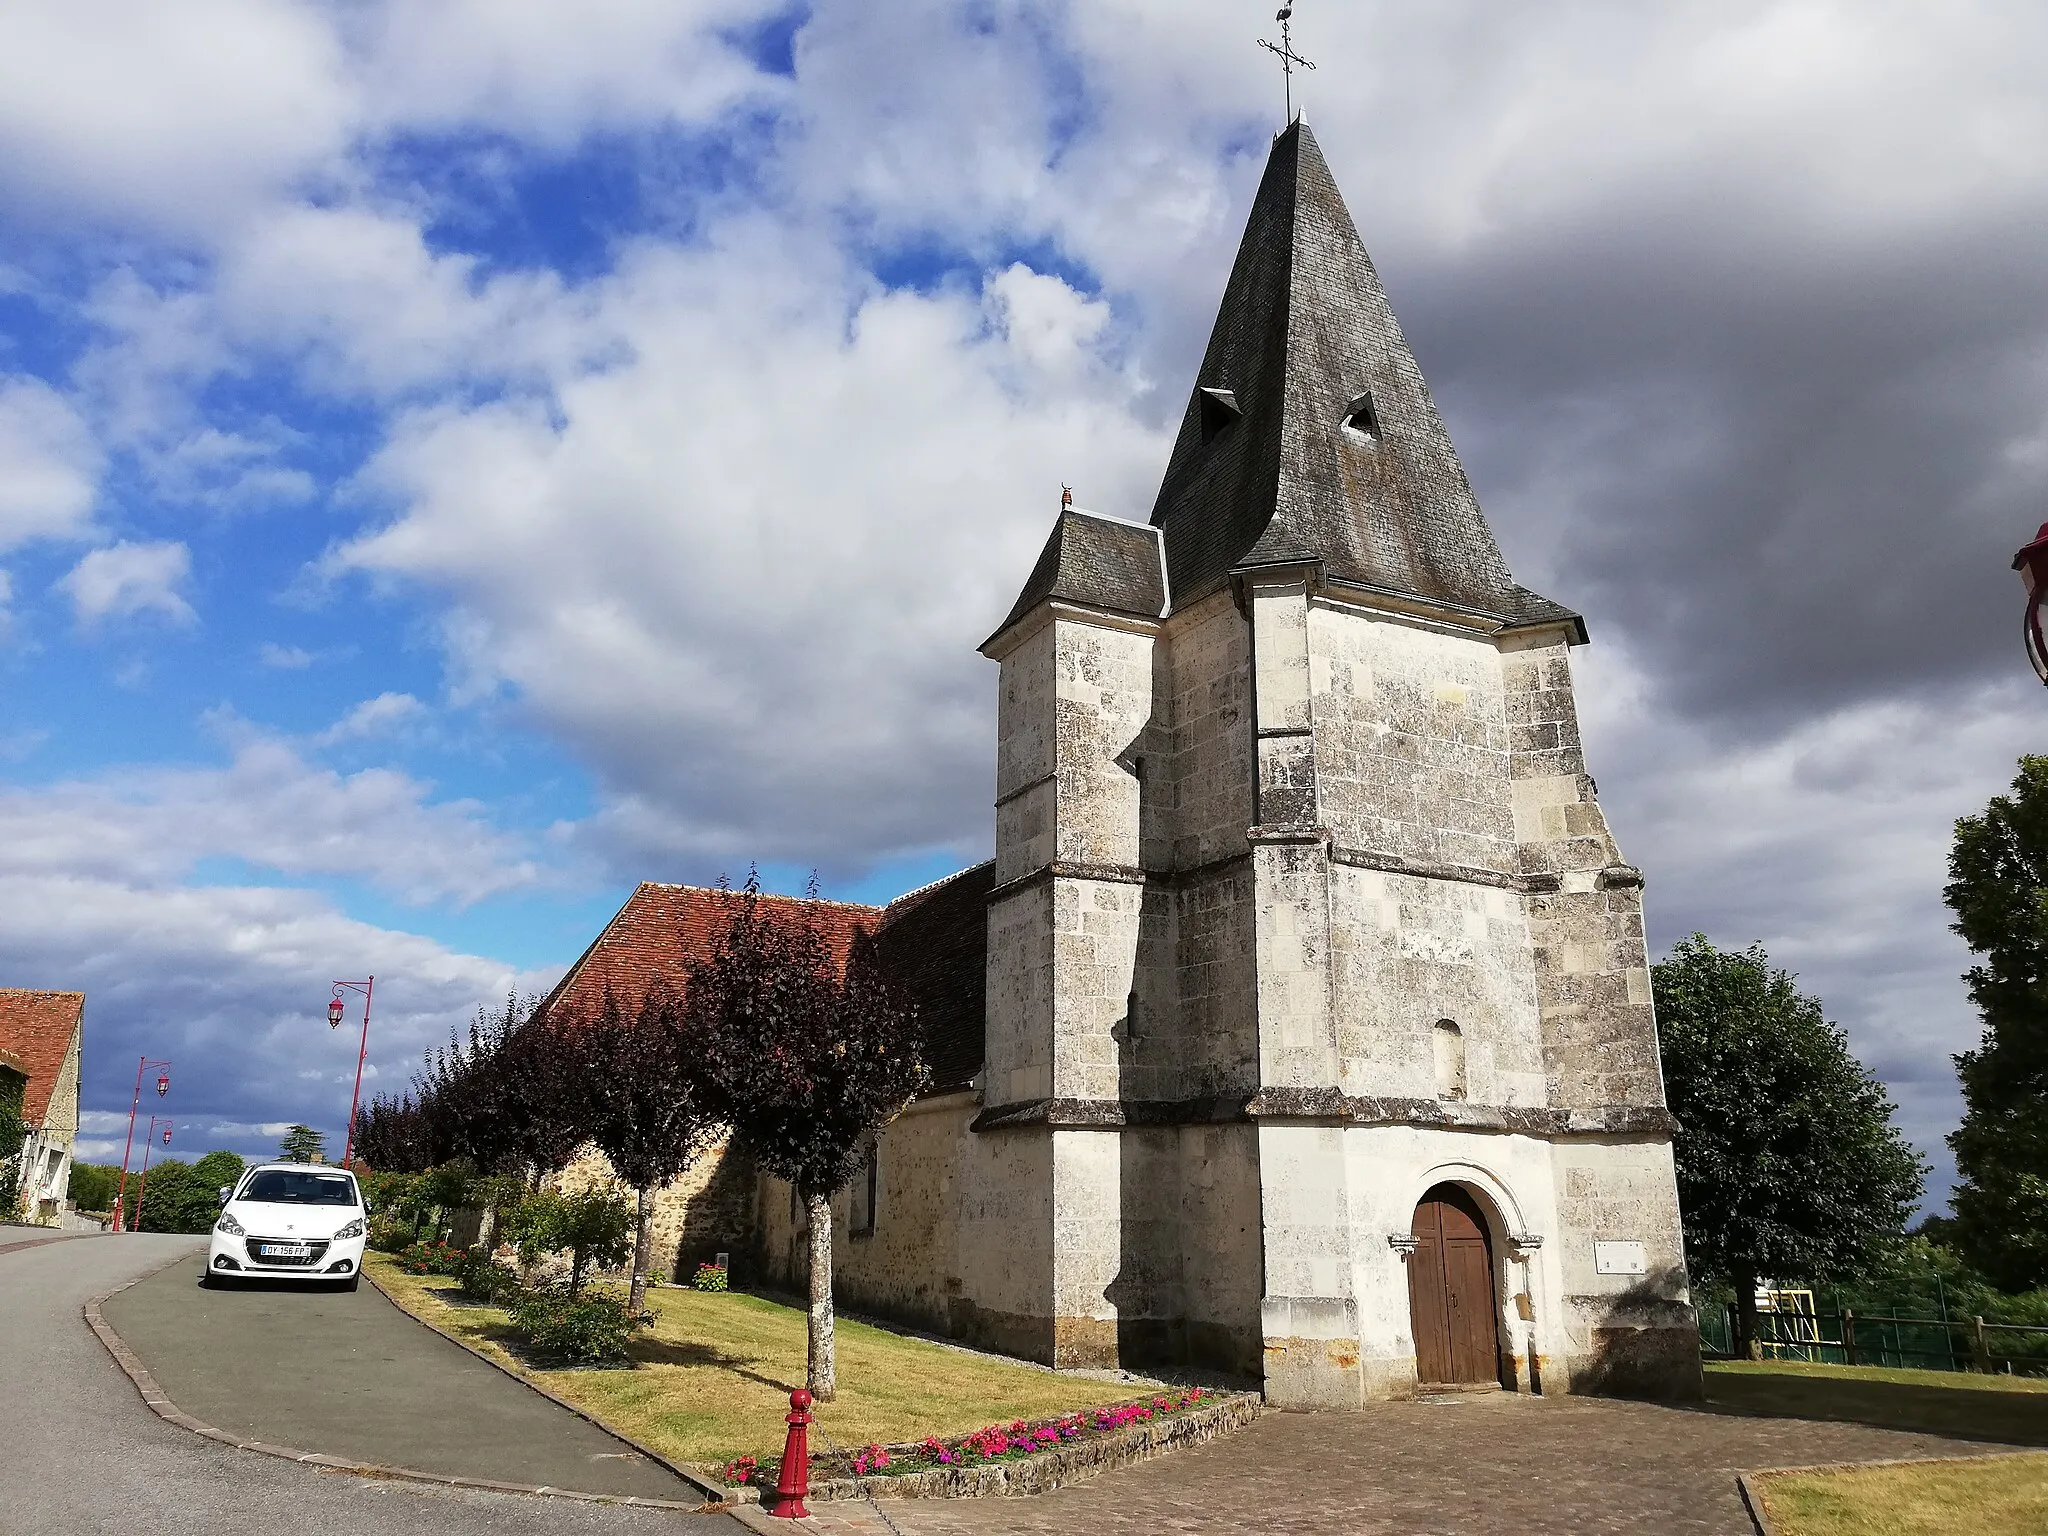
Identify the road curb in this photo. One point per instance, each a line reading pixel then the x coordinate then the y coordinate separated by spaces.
pixel 161 1405
pixel 713 1493
pixel 1752 1496
pixel 44 1242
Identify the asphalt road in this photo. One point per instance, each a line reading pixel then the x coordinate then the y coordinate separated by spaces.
pixel 83 1456
pixel 348 1374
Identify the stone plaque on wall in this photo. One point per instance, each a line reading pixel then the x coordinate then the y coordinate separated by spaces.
pixel 1619 1259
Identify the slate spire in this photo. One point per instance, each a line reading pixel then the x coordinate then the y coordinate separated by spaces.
pixel 1310 434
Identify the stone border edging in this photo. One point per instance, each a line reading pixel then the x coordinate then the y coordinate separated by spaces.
pixel 712 1492
pixel 1752 1496
pixel 161 1405
pixel 44 1242
pixel 1057 1467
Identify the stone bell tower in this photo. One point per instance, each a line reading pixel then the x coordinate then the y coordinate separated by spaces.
pixel 1319 1036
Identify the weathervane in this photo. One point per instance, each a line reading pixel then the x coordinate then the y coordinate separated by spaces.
pixel 1286 54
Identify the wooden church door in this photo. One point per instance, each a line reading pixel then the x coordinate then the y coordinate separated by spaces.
pixel 1450 1292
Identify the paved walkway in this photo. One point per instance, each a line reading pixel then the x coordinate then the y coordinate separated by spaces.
pixel 348 1374
pixel 1503 1463
pixel 85 1457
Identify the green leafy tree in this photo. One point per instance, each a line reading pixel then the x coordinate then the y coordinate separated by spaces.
pixel 1998 889
pixel 185 1197
pixel 1789 1166
pixel 93 1184
pixel 302 1144
pixel 13 1132
pixel 596 1226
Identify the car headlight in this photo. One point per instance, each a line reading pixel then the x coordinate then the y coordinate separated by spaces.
pixel 353 1229
pixel 229 1225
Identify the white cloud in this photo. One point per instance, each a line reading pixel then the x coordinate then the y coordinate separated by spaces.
pixel 267 808
pixel 744 573
pixel 126 579
pixel 49 464
pixel 372 717
pixel 284 658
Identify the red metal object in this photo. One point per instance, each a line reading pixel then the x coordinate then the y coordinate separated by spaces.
pixel 163 1086
pixel 367 987
pixel 2032 564
pixel 793 1479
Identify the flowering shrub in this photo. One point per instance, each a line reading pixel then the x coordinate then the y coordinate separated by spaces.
pixel 740 1472
pixel 587 1329
pixel 710 1277
pixel 483 1278
pixel 432 1259
pixel 872 1459
pixel 390 1235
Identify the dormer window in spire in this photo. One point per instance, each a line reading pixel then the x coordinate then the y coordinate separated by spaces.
pixel 1220 412
pixel 1362 418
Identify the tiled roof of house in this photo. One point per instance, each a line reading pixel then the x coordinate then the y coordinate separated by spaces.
pixel 36 1029
pixel 662 928
pixel 1310 434
pixel 934 940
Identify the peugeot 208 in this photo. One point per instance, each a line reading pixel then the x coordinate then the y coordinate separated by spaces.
pixel 289 1221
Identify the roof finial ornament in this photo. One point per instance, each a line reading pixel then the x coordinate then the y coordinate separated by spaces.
pixel 1287 56
pixel 1066 497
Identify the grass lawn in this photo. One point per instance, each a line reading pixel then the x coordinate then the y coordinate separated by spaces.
pixel 2008 1408
pixel 715 1373
pixel 2000 1496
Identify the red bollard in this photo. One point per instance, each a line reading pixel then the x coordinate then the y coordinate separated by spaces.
pixel 793 1479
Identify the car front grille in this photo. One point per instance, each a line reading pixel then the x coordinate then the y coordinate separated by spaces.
pixel 254 1246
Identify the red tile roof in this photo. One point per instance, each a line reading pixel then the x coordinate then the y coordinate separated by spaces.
pixel 662 928
pixel 36 1028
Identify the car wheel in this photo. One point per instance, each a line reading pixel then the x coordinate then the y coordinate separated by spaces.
pixel 351 1282
pixel 206 1280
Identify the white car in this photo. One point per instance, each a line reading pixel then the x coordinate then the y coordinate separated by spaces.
pixel 289 1221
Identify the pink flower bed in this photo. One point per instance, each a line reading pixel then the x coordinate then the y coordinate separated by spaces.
pixel 1016 1439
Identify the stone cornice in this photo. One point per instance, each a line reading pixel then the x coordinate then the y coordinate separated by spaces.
pixel 1327 1105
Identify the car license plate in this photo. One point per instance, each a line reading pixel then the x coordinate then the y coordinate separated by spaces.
pixel 287 1250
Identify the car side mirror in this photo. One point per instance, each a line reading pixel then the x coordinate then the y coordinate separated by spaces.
pixel 225 1191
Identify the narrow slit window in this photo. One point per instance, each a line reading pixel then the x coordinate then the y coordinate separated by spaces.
pixel 1449 1041
pixel 1362 418
pixel 1219 410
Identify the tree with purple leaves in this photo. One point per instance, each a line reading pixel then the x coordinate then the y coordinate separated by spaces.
pixel 806 1060
pixel 643 1104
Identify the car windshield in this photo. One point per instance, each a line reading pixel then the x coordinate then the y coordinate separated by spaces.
pixel 282 1186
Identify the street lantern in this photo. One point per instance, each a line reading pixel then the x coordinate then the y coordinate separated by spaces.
pixel 167 1135
pixel 163 1084
pixel 334 1014
pixel 2032 564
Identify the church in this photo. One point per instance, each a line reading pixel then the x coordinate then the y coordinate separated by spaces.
pixel 1301 1026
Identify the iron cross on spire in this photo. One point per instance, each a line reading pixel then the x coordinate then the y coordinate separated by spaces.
pixel 1286 54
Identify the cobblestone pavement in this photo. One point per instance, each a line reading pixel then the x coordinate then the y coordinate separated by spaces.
pixel 1529 1465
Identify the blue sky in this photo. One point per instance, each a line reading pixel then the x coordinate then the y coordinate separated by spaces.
pixel 459 459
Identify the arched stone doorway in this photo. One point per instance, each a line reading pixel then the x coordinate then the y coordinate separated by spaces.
pixel 1452 1309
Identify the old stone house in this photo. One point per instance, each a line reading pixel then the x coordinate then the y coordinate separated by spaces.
pixel 42 1035
pixel 1301 1025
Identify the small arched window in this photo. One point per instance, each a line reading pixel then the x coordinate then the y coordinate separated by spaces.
pixel 1449 1042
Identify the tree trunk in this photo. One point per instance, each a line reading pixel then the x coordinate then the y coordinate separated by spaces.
pixel 1746 1344
pixel 818 1379
pixel 643 1252
pixel 575 1271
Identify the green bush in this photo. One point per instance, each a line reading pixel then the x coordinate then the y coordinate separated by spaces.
pixel 390 1235
pixel 710 1277
pixel 590 1329
pixel 597 1226
pixel 483 1278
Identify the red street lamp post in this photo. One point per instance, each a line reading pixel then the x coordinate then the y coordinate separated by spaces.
pixel 163 1086
pixel 142 1188
pixel 2032 564
pixel 335 1008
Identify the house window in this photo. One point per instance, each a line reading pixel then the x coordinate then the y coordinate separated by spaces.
pixel 1219 412
pixel 860 1217
pixel 1449 1041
